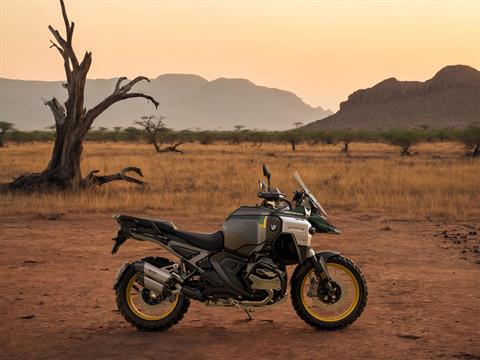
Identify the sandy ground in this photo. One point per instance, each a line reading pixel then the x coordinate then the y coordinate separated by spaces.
pixel 57 300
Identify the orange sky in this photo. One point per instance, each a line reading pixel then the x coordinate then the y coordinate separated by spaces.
pixel 321 50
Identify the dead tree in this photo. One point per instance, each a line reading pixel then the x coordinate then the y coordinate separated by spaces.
pixel 73 120
pixel 153 126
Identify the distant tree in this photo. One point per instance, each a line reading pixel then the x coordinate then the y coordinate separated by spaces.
pixel 205 137
pixel 117 133
pixel 4 127
pixel 293 137
pixel 258 137
pixel 132 133
pixel 443 135
pixel 346 137
pixel 102 129
pixel 237 136
pixel 328 138
pixel 297 124
pixel 51 127
pixel 471 139
pixel 403 138
pixel 153 126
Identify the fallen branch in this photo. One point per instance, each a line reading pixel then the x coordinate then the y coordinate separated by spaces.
pixel 170 148
pixel 93 179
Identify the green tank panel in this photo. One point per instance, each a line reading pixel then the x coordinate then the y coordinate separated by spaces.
pixel 322 225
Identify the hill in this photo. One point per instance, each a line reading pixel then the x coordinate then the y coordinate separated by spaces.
pixel 187 101
pixel 451 99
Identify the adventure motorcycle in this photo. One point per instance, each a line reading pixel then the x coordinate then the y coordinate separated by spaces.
pixel 243 265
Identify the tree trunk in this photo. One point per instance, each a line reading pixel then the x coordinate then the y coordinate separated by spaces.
pixel 72 122
pixel 292 142
pixel 2 144
pixel 405 151
pixel 345 146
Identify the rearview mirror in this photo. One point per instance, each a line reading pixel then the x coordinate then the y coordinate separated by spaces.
pixel 266 172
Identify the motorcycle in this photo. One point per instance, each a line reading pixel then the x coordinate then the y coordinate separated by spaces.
pixel 242 265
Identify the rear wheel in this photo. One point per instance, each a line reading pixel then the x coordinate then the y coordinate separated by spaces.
pixel 146 309
pixel 334 309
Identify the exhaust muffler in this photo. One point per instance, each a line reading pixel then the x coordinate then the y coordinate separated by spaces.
pixel 153 272
pixel 153 285
pixel 154 278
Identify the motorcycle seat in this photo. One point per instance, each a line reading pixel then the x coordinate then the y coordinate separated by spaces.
pixel 207 241
pixel 165 225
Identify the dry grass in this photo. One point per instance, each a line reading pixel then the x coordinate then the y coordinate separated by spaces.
pixel 215 179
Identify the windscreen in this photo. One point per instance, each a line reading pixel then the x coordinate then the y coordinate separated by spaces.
pixel 309 194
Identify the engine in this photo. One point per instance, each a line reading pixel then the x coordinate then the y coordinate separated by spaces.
pixel 267 279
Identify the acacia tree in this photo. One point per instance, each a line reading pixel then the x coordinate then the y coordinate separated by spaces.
pixel 471 139
pixel 153 126
pixel 293 137
pixel 346 137
pixel 403 138
pixel 73 120
pixel 4 127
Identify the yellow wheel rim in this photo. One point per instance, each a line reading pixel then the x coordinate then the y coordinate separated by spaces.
pixel 349 298
pixel 142 309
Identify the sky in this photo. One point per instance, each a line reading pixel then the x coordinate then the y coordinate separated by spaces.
pixel 320 50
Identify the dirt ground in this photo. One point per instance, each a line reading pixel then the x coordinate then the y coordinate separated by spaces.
pixel 57 299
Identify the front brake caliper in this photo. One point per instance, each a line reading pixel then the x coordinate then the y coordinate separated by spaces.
pixel 312 291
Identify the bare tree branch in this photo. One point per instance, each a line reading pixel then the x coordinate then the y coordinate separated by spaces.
pixel 57 109
pixel 119 93
pixel 58 48
pixel 67 48
pixel 119 82
pixel 68 27
pixel 127 87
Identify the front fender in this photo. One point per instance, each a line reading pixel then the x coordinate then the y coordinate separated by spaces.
pixel 326 254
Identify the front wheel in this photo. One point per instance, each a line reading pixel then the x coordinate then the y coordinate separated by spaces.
pixel 335 308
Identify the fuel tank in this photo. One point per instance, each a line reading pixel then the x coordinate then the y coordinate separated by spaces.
pixel 250 228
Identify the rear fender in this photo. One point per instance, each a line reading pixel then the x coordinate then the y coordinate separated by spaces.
pixel 325 255
pixel 119 240
pixel 120 273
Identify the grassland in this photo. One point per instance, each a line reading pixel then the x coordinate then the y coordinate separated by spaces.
pixel 215 179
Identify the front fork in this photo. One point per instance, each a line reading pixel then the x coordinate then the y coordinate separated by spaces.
pixel 320 265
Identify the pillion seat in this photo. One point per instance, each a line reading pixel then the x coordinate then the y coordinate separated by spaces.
pixel 165 226
pixel 207 241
